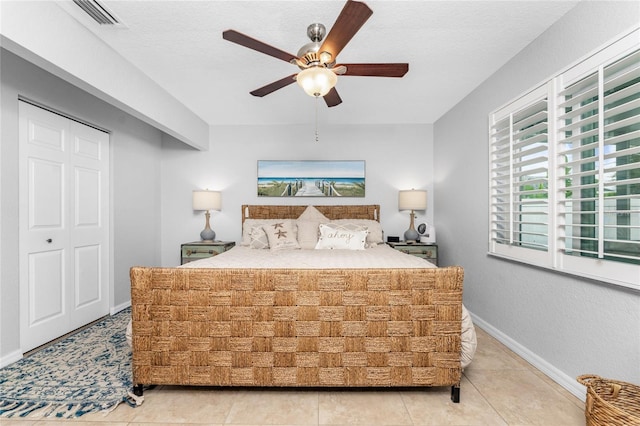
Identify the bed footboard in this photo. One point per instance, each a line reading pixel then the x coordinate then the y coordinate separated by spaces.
pixel 297 327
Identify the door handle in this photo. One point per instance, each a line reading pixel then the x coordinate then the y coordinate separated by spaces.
pixel 49 240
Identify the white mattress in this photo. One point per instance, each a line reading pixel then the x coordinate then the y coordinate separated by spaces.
pixel 381 256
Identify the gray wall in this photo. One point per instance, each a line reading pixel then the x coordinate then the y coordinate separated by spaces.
pixel 397 157
pixel 565 325
pixel 135 185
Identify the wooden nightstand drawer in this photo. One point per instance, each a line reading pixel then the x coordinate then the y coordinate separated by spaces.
pixel 425 251
pixel 201 250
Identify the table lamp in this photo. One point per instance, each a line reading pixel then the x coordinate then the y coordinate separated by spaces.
pixel 412 199
pixel 206 200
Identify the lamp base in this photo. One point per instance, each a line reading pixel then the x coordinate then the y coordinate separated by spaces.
pixel 411 235
pixel 207 233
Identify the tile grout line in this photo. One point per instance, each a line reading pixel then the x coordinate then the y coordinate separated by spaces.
pixel 487 400
pixel 404 404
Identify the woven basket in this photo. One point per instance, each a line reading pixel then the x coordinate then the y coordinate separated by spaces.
pixel 610 402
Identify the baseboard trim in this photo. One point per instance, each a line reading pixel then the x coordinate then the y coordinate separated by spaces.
pixel 558 376
pixel 121 307
pixel 10 358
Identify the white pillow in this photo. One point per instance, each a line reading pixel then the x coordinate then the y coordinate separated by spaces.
pixel 281 235
pixel 333 236
pixel 308 227
pixel 248 225
pixel 374 237
pixel 258 238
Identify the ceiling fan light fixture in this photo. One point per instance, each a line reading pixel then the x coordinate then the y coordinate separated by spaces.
pixel 317 81
pixel 325 57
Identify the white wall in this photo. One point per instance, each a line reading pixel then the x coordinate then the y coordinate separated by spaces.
pixel 565 325
pixel 397 157
pixel 48 36
pixel 135 185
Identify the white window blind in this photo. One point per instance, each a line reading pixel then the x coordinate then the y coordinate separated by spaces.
pixel 520 177
pixel 600 144
pixel 565 170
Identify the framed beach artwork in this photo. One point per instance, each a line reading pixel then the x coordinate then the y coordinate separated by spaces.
pixel 312 178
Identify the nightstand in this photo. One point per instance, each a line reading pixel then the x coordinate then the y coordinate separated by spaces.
pixel 425 251
pixel 203 249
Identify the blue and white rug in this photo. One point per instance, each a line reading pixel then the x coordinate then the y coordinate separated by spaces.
pixel 87 372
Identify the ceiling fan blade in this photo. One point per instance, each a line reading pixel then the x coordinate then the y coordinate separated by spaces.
pixel 272 87
pixel 353 16
pixel 252 43
pixel 332 98
pixel 376 70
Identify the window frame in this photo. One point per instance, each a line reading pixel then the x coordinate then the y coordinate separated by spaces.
pixel 532 256
pixel 554 257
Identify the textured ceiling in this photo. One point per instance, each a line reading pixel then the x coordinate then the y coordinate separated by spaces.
pixel 451 47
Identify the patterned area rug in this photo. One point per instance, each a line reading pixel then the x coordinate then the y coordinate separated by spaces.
pixel 87 372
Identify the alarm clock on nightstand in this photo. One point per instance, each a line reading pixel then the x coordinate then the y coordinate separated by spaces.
pixel 427 233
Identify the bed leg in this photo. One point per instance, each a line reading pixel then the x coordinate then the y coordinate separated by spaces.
pixel 135 397
pixel 455 393
pixel 138 390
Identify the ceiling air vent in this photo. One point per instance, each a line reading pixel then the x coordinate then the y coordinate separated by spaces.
pixel 98 12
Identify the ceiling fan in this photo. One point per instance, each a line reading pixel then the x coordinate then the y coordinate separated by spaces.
pixel 317 59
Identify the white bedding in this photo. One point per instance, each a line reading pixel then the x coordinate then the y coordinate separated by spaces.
pixel 380 256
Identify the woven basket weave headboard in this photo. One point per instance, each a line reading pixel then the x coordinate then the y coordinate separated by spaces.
pixel 369 211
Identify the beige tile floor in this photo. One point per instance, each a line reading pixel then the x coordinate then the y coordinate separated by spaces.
pixel 498 388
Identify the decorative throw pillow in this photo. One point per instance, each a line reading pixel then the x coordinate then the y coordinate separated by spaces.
pixel 281 235
pixel 374 237
pixel 333 236
pixel 249 224
pixel 308 227
pixel 258 238
pixel 311 213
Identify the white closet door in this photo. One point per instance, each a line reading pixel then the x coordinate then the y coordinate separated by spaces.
pixel 64 225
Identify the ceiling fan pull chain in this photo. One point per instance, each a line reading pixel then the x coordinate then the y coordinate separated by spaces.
pixel 317 97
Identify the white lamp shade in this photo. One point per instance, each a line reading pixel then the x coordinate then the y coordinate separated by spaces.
pixel 412 199
pixel 206 200
pixel 317 81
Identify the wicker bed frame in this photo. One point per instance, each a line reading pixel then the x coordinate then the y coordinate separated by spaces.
pixel 297 327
